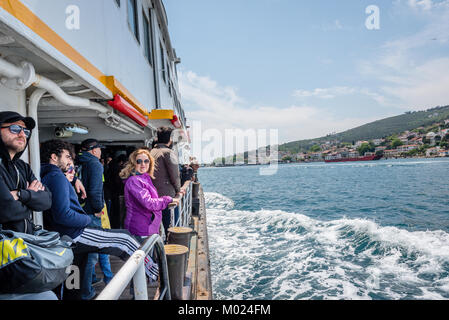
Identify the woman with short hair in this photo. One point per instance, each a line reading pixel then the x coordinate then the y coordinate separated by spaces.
pixel 143 204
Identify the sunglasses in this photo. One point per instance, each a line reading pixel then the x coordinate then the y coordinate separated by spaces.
pixel 16 129
pixel 140 161
pixel 71 169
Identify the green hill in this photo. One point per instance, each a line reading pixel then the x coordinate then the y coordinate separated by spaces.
pixel 377 129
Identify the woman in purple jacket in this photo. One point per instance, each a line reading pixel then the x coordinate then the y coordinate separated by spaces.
pixel 143 204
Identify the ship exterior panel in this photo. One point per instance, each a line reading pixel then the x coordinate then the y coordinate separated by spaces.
pixel 126 41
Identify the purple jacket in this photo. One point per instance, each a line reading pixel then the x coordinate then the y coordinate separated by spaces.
pixel 142 205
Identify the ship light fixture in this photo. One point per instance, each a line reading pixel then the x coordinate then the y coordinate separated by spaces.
pixel 76 128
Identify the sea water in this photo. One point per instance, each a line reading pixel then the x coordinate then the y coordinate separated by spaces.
pixel 360 230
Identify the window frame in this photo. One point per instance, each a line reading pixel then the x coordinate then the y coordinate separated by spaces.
pixel 147 37
pixel 163 66
pixel 134 29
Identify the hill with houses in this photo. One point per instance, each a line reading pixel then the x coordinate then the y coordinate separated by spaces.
pixel 417 133
pixel 413 134
pixel 375 130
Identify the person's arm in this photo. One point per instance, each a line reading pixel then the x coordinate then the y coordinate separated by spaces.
pixel 173 171
pixel 79 187
pixel 95 187
pixel 138 193
pixel 11 210
pixel 36 200
pixel 36 197
pixel 60 209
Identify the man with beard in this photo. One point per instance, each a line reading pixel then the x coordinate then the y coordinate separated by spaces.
pixel 56 157
pixel 20 192
pixel 67 217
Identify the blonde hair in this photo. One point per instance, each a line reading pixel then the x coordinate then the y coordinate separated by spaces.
pixel 130 168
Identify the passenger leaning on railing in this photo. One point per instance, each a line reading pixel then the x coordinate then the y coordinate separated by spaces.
pixel 143 204
pixel 166 173
pixel 68 217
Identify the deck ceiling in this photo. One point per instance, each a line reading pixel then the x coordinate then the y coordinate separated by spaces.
pixel 57 115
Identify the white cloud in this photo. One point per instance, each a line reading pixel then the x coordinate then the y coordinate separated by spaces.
pixel 333 92
pixel 421 4
pixel 424 86
pixel 405 71
pixel 427 5
pixel 338 24
pixel 324 93
pixel 331 26
pixel 220 107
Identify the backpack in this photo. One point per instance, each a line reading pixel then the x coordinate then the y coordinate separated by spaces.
pixel 33 263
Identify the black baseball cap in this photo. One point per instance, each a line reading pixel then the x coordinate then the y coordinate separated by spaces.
pixel 11 116
pixel 90 144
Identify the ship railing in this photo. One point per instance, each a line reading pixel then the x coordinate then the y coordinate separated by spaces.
pixel 183 218
pixel 134 269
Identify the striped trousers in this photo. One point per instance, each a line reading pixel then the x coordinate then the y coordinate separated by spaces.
pixel 119 243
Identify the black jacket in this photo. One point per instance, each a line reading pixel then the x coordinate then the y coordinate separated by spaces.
pixel 92 179
pixel 16 215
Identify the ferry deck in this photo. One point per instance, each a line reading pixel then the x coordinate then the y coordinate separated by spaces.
pixel 105 70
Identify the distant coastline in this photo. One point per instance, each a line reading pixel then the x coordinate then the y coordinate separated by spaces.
pixel 425 141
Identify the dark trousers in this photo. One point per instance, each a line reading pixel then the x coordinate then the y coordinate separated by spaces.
pixel 64 293
pixel 166 219
pixel 119 243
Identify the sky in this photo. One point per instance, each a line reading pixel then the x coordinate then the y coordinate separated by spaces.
pixel 308 68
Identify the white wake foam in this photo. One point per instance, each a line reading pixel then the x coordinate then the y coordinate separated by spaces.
pixel 271 254
pixel 217 201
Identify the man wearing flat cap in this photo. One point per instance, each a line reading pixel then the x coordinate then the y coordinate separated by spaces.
pixel 20 192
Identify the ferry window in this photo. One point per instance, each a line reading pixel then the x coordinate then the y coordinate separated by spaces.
pixel 118 2
pixel 168 71
pixel 133 19
pixel 164 76
pixel 147 38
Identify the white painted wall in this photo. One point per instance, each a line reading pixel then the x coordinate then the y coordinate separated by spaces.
pixel 106 40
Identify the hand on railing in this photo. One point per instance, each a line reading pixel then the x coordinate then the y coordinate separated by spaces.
pixel 175 202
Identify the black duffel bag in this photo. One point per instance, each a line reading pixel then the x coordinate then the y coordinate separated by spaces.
pixel 33 263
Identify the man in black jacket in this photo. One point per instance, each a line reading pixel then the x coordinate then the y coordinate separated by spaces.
pixel 20 192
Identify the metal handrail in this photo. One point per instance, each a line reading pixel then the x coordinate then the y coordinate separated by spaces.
pixel 185 208
pixel 134 269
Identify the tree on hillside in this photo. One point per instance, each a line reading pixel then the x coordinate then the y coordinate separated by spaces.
pixel 396 143
pixel 315 148
pixel 366 147
pixel 446 137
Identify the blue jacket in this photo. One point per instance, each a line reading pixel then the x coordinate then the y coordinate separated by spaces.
pixel 66 215
pixel 92 179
